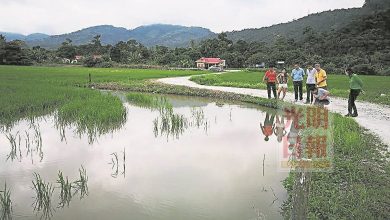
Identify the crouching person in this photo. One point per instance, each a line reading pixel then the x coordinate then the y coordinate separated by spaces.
pixel 321 97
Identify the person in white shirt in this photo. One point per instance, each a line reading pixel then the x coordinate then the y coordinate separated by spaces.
pixel 310 83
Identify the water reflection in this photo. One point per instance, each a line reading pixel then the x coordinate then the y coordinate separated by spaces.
pixel 67 190
pixel 5 203
pixel 277 123
pixel 116 164
pixel 83 128
pixel 207 170
pixel 268 127
pixel 43 196
pixel 32 141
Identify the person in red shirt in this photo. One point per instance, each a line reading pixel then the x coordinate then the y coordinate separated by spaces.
pixel 269 126
pixel 270 79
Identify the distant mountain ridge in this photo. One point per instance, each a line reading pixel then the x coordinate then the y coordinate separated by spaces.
pixel 150 35
pixel 321 22
pixel 15 36
pixel 180 36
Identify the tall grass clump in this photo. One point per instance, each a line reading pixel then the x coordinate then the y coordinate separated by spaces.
pixel 172 124
pixel 153 102
pixel 43 192
pixel 66 190
pixel 15 146
pixel 93 114
pixel 82 182
pixel 5 204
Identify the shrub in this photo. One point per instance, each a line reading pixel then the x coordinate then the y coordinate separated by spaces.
pixel 364 69
pixel 106 64
pixel 385 72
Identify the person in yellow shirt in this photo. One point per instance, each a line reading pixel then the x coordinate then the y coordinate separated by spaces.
pixel 321 77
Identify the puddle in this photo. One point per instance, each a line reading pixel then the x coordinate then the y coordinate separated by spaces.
pixel 206 163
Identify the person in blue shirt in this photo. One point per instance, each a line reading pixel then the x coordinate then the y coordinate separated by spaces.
pixel 297 75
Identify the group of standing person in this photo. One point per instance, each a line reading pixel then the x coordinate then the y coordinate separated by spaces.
pixel 316 85
pixel 316 80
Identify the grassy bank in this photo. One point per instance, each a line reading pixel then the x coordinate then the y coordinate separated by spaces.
pixel 338 84
pixel 358 187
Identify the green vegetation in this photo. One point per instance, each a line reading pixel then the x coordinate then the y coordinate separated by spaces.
pixel 43 198
pixel 69 189
pixel 150 101
pixel 322 21
pixel 374 86
pixel 82 182
pixel 37 91
pixel 5 204
pixel 168 123
pixel 359 183
pixel 66 190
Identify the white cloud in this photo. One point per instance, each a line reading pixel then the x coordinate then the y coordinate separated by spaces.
pixel 57 17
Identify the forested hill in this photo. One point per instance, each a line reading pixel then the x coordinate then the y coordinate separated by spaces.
pixel 151 35
pixel 30 37
pixel 321 22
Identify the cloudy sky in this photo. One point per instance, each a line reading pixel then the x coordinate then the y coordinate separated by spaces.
pixel 64 16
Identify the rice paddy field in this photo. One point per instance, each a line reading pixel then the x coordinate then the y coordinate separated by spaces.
pixel 34 91
pixel 374 86
pixel 71 151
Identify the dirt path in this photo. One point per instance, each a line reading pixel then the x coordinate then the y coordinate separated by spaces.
pixel 374 117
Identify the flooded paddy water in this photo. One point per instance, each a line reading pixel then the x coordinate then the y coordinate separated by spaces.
pixel 208 161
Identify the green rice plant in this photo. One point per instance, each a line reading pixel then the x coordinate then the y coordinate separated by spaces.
pixel 198 117
pixel 93 114
pixel 43 195
pixel 5 203
pixel 153 102
pixel 28 92
pixel 66 190
pixel 82 183
pixel 14 146
pixel 172 124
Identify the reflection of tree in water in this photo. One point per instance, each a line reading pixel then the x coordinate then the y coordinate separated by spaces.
pixel 32 141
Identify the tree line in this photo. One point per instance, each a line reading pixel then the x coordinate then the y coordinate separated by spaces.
pixel 364 45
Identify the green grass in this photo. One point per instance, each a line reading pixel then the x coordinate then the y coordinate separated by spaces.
pixel 36 91
pixel 338 84
pixel 43 196
pixel 153 102
pixel 359 185
pixel 5 203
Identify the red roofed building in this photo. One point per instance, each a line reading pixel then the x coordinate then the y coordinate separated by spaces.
pixel 205 63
